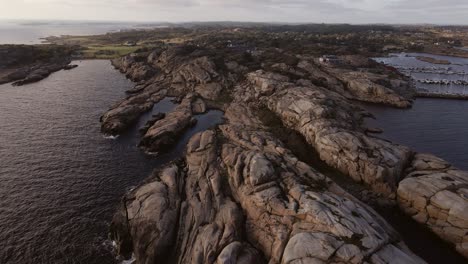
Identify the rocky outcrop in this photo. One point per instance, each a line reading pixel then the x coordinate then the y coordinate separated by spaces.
pixel 37 73
pixel 155 118
pixel 133 68
pixel 125 113
pixel 31 74
pixel 145 223
pixel 199 106
pixel 165 132
pixel 23 64
pixel 327 123
pixel 266 83
pixel 174 72
pixel 293 213
pixel 203 224
pixel 242 196
pixel 364 87
pixel 435 194
pixel 245 197
pixel 331 124
pixel 137 89
pixel 70 67
pixel 211 228
pixel 200 76
pixel 321 78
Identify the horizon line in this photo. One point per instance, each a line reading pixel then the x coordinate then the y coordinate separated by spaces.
pixel 228 21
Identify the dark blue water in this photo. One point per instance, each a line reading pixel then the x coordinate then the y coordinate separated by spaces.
pixel 436 126
pixel 61 180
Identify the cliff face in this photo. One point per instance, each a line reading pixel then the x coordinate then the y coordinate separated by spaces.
pixel 239 195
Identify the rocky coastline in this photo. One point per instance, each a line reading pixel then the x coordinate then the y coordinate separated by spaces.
pixel 240 195
pixel 22 64
pixel 442 95
pixel 433 61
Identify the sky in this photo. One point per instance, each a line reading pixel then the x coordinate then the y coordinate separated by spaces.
pixel 295 11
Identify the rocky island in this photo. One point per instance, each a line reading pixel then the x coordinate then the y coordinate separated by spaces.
pixel 23 64
pixel 241 193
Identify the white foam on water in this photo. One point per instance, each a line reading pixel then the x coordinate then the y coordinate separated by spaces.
pixel 132 260
pixel 111 137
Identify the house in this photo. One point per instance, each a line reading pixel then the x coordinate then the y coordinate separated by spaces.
pixel 330 59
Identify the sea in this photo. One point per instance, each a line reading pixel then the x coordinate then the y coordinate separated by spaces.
pixel 61 179
pixel 34 31
pixel 431 125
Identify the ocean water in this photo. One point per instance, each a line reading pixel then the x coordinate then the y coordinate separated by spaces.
pixel 437 126
pixel 61 179
pixel 31 32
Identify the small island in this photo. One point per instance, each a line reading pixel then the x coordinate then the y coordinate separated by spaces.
pixel 23 64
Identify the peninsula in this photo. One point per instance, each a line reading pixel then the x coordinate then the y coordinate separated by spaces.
pixel 292 174
pixel 242 193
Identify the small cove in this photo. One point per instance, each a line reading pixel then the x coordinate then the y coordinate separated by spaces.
pixel 61 178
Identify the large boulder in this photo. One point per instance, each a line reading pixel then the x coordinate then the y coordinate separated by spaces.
pixel 144 224
pixel 126 112
pixel 435 194
pixel 164 133
pixel 266 83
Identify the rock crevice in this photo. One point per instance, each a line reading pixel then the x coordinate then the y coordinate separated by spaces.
pixel 241 196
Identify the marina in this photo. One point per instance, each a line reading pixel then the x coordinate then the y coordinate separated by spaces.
pixel 430 79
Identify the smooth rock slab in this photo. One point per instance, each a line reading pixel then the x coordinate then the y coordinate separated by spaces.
pixel 295 214
pixel 435 195
pixel 145 223
pixel 327 122
pixel 186 214
pixel 165 132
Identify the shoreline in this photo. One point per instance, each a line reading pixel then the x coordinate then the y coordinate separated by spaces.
pixel 442 96
pixel 24 64
pixel 286 171
pixel 261 88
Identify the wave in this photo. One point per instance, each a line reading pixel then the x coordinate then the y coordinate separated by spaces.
pixel 111 137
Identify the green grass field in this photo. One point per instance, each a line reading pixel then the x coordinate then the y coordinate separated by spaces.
pixel 107 52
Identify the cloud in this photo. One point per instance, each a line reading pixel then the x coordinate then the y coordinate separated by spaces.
pixel 331 11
